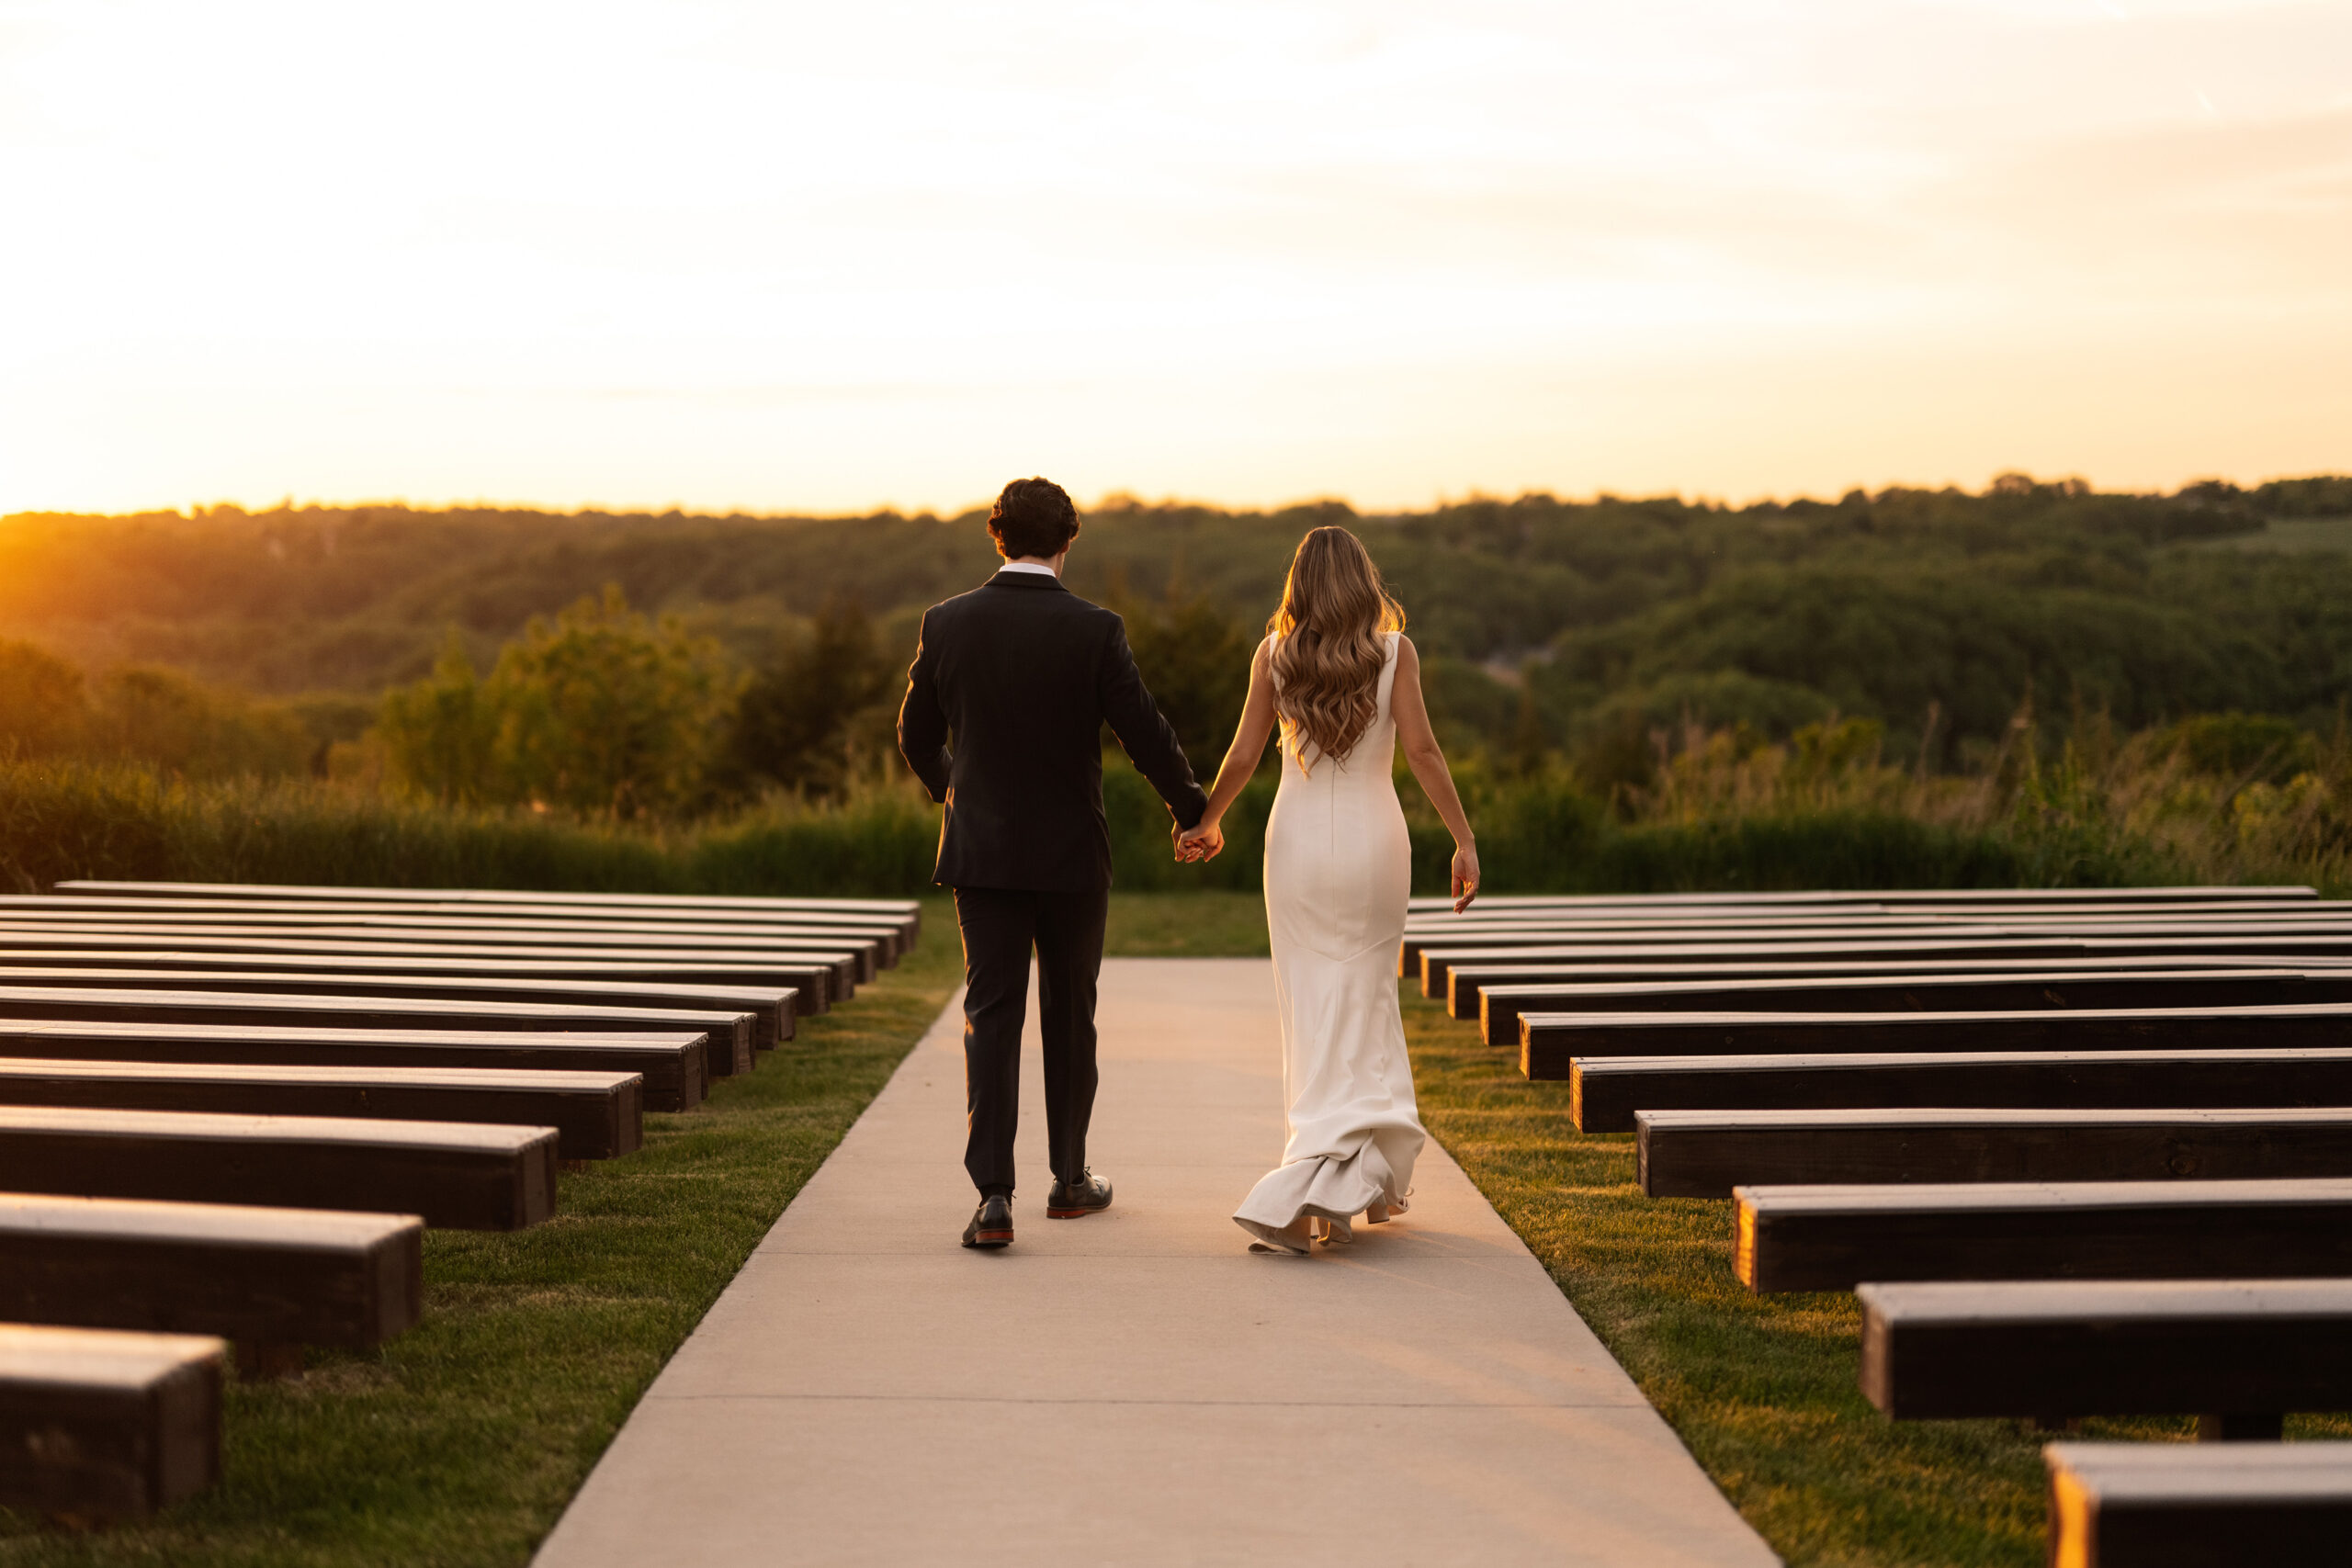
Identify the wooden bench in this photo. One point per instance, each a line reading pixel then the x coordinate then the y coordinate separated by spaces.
pixel 1890 897
pixel 811 987
pixel 729 1033
pixel 2023 991
pixel 2237 1353
pixel 1676 928
pixel 1705 1154
pixel 887 936
pixel 457 1175
pixel 1925 952
pixel 1550 1042
pixel 859 954
pixel 2058 952
pixel 2201 1506
pixel 99 1423
pixel 1518 985
pixel 1832 1238
pixel 267 1279
pixel 595 1115
pixel 1699 946
pixel 1605 1091
pixel 907 911
pixel 842 967
pixel 671 1065
pixel 770 1008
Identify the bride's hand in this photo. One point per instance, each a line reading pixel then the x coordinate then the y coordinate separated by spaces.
pixel 1201 843
pixel 1466 877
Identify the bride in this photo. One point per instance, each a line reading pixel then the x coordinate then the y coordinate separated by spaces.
pixel 1335 670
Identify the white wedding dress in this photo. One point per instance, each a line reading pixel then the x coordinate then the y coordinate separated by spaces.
pixel 1339 871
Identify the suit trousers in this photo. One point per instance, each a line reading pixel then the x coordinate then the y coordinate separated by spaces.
pixel 1001 926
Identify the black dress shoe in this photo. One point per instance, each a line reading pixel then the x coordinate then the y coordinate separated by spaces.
pixel 991 1224
pixel 1089 1194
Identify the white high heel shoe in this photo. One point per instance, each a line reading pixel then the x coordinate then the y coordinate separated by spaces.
pixel 1292 1241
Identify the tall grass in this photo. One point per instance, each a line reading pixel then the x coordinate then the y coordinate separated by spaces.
pixel 73 820
pixel 1720 811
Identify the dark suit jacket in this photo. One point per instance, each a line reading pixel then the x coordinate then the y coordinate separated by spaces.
pixel 1026 673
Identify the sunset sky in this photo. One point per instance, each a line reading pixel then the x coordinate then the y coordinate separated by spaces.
pixel 821 257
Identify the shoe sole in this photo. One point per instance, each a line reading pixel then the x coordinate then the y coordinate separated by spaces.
pixel 1074 1213
pixel 990 1238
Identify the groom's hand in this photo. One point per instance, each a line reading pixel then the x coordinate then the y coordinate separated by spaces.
pixel 1198 843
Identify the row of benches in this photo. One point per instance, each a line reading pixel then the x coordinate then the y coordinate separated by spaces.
pixel 2076 1154
pixel 227 1115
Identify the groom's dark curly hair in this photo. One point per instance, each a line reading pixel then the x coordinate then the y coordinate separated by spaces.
pixel 1033 517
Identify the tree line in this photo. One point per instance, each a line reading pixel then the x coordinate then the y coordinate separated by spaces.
pixel 664 665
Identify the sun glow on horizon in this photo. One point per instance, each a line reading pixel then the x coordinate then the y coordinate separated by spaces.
pixel 810 259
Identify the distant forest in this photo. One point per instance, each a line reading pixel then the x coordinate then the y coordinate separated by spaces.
pixel 1549 626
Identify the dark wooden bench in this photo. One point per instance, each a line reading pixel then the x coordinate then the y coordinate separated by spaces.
pixel 1705 1154
pixel 859 954
pixel 595 1115
pixel 2025 991
pixel 1519 985
pixel 770 1009
pixel 908 911
pixel 456 1175
pixel 1483 917
pixel 883 934
pixel 96 1423
pixel 1676 928
pixel 1550 1042
pixel 2237 1353
pixel 267 1279
pixel 1927 952
pixel 1888 898
pixel 1832 1238
pixel 2288 947
pixel 2201 1506
pixel 671 1065
pixel 67 936
pixel 729 1033
pixel 1413 951
pixel 811 986
pixel 1605 1091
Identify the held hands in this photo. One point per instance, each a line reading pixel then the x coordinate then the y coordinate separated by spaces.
pixel 1465 876
pixel 1195 845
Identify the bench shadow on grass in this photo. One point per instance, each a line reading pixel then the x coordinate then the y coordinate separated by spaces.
pixel 461 1442
pixel 1763 1389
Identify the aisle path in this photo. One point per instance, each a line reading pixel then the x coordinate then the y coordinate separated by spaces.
pixel 1134 1388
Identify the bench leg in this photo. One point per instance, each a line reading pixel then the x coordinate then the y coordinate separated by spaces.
pixel 2241 1429
pixel 261 1361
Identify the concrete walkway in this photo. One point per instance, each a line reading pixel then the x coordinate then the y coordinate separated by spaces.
pixel 1135 1388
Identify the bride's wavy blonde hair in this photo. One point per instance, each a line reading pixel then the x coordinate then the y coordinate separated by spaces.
pixel 1329 645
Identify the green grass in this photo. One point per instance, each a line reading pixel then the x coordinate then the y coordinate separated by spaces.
pixel 1213 924
pixel 1763 1389
pixel 460 1442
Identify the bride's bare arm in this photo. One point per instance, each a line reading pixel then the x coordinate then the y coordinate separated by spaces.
pixel 1241 758
pixel 1426 760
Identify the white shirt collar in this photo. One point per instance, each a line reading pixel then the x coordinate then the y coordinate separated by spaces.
pixel 1026 566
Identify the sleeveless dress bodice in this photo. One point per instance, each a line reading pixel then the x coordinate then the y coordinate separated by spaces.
pixel 1338 874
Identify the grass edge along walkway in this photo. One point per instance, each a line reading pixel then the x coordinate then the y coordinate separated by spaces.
pixel 461 1442
pixel 1761 1389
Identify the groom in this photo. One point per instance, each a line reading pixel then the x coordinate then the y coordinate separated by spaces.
pixel 1025 673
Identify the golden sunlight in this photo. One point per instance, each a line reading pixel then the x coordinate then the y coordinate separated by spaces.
pixel 823 258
